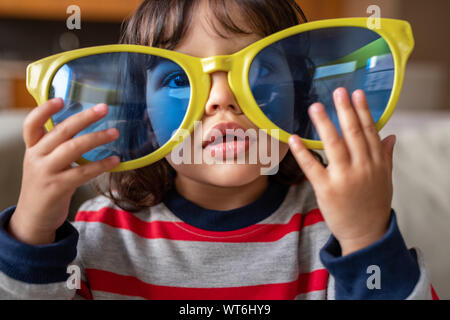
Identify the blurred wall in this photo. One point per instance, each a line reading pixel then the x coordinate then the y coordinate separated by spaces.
pixel 30 30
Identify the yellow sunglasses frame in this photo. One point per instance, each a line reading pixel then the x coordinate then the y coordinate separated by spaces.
pixel 397 34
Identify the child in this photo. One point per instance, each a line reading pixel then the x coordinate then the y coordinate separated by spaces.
pixel 211 231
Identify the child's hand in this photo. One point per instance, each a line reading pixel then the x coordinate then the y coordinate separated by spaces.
pixel 48 180
pixel 354 192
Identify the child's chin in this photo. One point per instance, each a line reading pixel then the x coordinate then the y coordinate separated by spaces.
pixel 230 175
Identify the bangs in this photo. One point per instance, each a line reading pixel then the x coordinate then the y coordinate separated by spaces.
pixel 164 23
pixel 256 17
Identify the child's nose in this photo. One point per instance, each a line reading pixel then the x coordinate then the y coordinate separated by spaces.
pixel 220 96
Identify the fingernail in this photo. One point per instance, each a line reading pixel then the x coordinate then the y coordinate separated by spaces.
pixel 112 131
pixel 358 92
pixel 294 141
pixel 100 108
pixel 338 93
pixel 58 101
pixel 315 108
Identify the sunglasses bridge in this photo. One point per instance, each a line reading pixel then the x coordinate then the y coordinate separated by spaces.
pixel 216 63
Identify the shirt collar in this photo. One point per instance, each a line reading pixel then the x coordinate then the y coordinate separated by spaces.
pixel 229 220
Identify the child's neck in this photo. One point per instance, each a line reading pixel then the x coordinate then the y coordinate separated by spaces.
pixel 220 198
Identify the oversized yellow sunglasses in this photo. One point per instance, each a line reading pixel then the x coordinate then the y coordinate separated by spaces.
pixel 156 95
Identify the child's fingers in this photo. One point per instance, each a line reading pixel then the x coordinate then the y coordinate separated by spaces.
pixel 335 147
pixel 351 127
pixel 33 125
pixel 71 126
pixel 72 150
pixel 388 149
pixel 80 175
pixel 313 170
pixel 368 124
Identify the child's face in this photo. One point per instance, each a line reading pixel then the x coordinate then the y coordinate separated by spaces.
pixel 202 41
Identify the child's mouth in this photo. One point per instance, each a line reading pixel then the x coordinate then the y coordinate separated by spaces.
pixel 226 140
pixel 229 146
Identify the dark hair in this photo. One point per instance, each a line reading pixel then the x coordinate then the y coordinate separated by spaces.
pixel 163 24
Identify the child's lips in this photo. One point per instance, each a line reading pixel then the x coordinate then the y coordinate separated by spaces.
pixel 226 139
pixel 222 130
pixel 228 148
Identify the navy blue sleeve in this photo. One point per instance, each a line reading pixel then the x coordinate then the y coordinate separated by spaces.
pixel 37 264
pixel 384 270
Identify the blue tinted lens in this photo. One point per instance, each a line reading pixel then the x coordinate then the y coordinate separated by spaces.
pixel 147 98
pixel 291 74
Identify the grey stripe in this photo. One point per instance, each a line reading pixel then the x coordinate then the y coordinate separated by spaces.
pixel 155 213
pixel 312 240
pixel 101 295
pixel 313 295
pixel 11 289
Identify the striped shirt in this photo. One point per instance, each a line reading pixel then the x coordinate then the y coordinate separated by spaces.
pixel 278 247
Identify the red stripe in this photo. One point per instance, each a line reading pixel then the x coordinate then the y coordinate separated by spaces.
pixel 84 291
pixel 182 231
pixel 100 280
pixel 312 217
pixel 300 182
pixel 434 294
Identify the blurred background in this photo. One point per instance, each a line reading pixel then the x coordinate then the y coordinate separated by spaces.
pixel 30 30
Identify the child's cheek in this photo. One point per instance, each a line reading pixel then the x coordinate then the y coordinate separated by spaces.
pixel 166 111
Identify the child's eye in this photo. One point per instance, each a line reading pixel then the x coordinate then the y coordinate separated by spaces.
pixel 265 70
pixel 176 80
